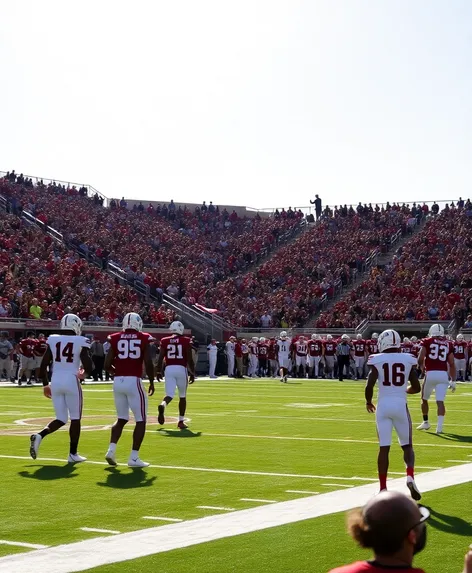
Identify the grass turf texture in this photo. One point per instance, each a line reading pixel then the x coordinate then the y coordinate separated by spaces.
pixel 247 426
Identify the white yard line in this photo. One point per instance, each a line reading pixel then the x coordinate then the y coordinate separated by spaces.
pixel 155 518
pixel 458 461
pixel 427 467
pixel 97 530
pixel 302 491
pixel 214 470
pixel 83 555
pixel 258 500
pixel 336 485
pixel 216 507
pixel 21 544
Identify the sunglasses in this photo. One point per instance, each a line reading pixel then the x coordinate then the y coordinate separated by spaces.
pixel 425 514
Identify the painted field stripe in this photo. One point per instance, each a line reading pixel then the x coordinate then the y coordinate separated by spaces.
pixel 84 555
pixel 155 518
pixel 258 500
pixel 427 467
pixel 97 530
pixel 21 544
pixel 397 473
pixel 458 461
pixel 217 508
pixel 302 491
pixel 336 485
pixel 211 470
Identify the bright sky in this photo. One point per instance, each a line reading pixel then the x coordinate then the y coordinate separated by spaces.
pixel 248 102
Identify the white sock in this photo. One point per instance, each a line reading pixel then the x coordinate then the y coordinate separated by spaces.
pixel 181 418
pixel 164 403
pixel 134 454
pixel 440 423
pixel 112 448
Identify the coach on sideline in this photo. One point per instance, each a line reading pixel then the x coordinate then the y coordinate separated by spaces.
pixel 343 354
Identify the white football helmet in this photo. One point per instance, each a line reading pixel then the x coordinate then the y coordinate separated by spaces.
pixel 283 334
pixel 460 336
pixel 314 337
pixel 177 327
pixel 301 337
pixel 71 322
pixel 261 339
pixel 132 321
pixel 436 330
pixel 359 337
pixel 329 337
pixel 345 337
pixel 414 339
pixel 255 339
pixel 375 336
pixel 406 339
pixel 389 339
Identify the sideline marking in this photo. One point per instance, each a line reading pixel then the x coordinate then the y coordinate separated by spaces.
pixel 84 555
pixel 214 470
pixel 258 500
pixel 96 530
pixel 458 461
pixel 336 485
pixel 215 507
pixel 301 491
pixel 173 519
pixel 21 544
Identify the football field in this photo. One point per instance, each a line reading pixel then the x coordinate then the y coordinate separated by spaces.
pixel 259 482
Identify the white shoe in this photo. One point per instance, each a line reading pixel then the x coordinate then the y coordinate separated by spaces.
pixel 213 377
pixel 76 459
pixel 411 485
pixel 137 463
pixel 438 431
pixel 35 441
pixel 110 458
pixel 424 426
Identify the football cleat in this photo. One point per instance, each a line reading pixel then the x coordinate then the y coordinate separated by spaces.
pixel 137 463
pixel 424 426
pixel 110 458
pixel 35 440
pixel 76 459
pixel 411 485
pixel 160 415
pixel 285 379
pixel 182 425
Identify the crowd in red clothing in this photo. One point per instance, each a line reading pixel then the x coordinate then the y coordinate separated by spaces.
pixel 42 279
pixel 429 278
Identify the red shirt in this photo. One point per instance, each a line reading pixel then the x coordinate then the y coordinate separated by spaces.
pixel 238 351
pixel 329 348
pixel 407 347
pixel 359 348
pixel 301 347
pixel 372 567
pixel 272 353
pixel 129 349
pixel 41 347
pixel 460 349
pixel 314 348
pixel 437 352
pixel 27 346
pixel 263 350
pixel 372 346
pixel 175 349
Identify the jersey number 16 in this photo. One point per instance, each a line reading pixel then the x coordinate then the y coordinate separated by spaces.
pixel 393 374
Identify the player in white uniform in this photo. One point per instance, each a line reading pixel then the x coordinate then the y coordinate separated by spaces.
pixel 229 350
pixel 393 369
pixel 283 353
pixel 65 352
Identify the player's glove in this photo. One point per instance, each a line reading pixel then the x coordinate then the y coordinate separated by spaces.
pixel 452 386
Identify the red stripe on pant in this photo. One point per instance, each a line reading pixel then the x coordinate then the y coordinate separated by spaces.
pixel 410 427
pixel 142 398
pixel 81 399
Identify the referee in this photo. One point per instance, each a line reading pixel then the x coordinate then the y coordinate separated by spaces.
pixel 343 353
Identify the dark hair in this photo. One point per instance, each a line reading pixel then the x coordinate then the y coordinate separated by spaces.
pixel 383 538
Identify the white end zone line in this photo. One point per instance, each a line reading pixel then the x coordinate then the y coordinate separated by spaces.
pixel 302 491
pixel 21 544
pixel 152 517
pixel 97 530
pixel 258 500
pixel 215 507
pixel 336 485
pixel 84 555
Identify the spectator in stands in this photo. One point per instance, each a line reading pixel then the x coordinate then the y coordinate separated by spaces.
pixel 394 527
pixel 318 207
pixel 468 322
pixel 35 311
pixel 266 320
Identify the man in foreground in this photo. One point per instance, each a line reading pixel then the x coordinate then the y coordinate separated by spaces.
pixel 393 369
pixel 394 527
pixel 176 350
pixel 64 352
pixel 129 350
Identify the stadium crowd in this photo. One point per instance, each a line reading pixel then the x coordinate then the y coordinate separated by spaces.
pixel 429 278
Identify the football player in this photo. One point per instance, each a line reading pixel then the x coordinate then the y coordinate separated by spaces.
pixel 39 351
pixel 64 353
pixel 176 350
pixel 128 351
pixel 359 354
pixel 436 360
pixel 460 356
pixel 27 359
pixel 301 351
pixel 283 355
pixel 329 355
pixel 393 369
pixel 315 349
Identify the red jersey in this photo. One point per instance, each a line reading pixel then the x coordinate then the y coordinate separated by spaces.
pixel 460 349
pixel 406 347
pixel 129 349
pixel 27 346
pixel 253 348
pixel 373 567
pixel 359 348
pixel 41 347
pixel 329 347
pixel 272 351
pixel 314 347
pixel 415 349
pixel 301 347
pixel 263 350
pixel 437 352
pixel 372 346
pixel 175 349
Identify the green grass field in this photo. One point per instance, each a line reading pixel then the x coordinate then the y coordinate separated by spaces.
pixel 276 439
